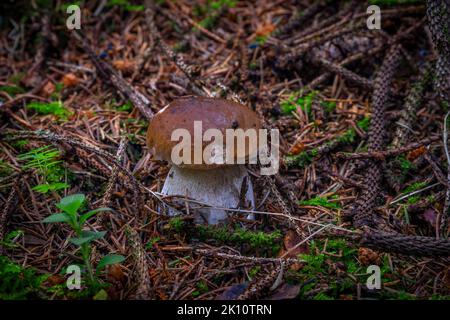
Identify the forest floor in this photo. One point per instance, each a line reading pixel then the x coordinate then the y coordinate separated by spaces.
pixel 363 174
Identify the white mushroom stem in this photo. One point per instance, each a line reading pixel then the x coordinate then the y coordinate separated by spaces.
pixel 220 187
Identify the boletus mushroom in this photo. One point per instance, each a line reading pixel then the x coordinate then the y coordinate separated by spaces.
pixel 208 164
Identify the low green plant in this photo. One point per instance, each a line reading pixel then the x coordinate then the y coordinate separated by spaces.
pixel 19 144
pixel 135 125
pixel 298 101
pixel 302 159
pixel 5 168
pixel 201 288
pixel 17 282
pixel 14 87
pixel 179 261
pixel 126 107
pixel 414 187
pixel 152 242
pixel 322 202
pixel 212 11
pixel 177 224
pixel 254 271
pixel 329 106
pixel 350 135
pixel 56 96
pixel 9 241
pixel 260 40
pixel 46 161
pixel 55 108
pixel 413 200
pixel 70 215
pixel 253 65
pixel 334 263
pixel 305 158
pixel 404 164
pixel 431 198
pixel 364 124
pixel 322 296
pixel 257 240
pixel 320 268
pixel 12 90
pixel 126 5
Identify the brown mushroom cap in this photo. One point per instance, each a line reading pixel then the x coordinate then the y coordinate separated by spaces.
pixel 214 113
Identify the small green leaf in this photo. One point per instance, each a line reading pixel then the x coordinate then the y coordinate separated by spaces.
pixel 12 90
pixel 72 203
pixel 59 217
pixel 89 214
pixel 10 240
pixel 46 187
pixel 80 240
pixel 55 107
pixel 110 259
pixel 101 295
pixel 95 235
pixel 87 236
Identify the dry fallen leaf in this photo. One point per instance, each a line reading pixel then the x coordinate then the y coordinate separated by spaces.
pixel 295 266
pixel 90 114
pixel 414 154
pixel 264 30
pixel 130 37
pixel 125 66
pixel 70 80
pixel 297 148
pixel 55 279
pixel 48 89
pixel 290 241
pixel 367 256
pixel 116 273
